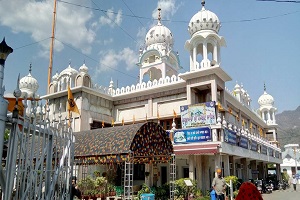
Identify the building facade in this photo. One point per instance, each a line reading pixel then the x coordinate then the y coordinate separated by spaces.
pixel 211 127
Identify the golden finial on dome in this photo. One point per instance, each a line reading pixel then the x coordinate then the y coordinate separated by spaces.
pixel 159 17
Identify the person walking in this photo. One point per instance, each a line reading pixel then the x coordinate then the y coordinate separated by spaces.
pixel 219 185
pixel 294 182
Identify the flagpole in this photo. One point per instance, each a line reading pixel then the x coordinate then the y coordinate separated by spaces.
pixel 51 47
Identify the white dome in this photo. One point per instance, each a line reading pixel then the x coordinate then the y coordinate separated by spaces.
pixel 28 84
pixel 266 99
pixel 204 20
pixel 55 77
pixel 69 71
pixel 84 68
pixel 159 34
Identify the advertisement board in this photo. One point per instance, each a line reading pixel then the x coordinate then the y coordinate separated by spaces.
pixel 199 134
pixel 253 146
pixel 264 149
pixel 229 136
pixel 198 114
pixel 243 142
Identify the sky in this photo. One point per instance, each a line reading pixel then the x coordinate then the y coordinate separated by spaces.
pixel 262 41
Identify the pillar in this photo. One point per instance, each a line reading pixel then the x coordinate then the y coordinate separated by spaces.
pixel 191 167
pixel 232 166
pixel 278 172
pixel 194 58
pixel 261 170
pixel 215 54
pixel 214 91
pixel 205 51
pixel 191 60
pixel 206 171
pixel 245 169
pixel 225 159
pixel 253 169
pixel 200 173
pixel 217 163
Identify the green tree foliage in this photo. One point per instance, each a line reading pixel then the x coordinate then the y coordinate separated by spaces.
pixel 6 134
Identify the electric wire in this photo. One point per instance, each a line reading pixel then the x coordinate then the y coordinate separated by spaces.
pixel 33 43
pixel 117 25
pixel 132 13
pixel 185 21
pixel 281 1
pixel 95 59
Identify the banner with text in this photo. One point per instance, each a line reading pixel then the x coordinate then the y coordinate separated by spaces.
pixel 200 134
pixel 243 142
pixel 198 114
pixel 229 136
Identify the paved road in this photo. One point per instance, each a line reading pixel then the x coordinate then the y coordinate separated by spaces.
pixel 288 194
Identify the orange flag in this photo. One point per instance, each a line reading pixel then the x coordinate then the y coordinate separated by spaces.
pixel 71 106
pixel 112 122
pixel 174 113
pixel 12 103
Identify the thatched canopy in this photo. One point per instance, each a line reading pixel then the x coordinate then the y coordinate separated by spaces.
pixel 139 143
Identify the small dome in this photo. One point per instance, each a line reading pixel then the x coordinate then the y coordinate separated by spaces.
pixel 237 87
pixel 159 34
pixel 69 71
pixel 204 20
pixel 28 83
pixel 266 100
pixel 84 68
pixel 55 77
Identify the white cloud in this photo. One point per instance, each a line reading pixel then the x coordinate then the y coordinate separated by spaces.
pixel 108 41
pixel 111 59
pixel 111 18
pixel 141 37
pixel 35 18
pixel 168 9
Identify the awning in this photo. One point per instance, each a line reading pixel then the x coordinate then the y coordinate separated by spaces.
pixel 144 143
pixel 194 149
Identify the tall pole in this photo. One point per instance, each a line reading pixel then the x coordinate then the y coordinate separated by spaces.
pixel 296 171
pixel 51 46
pixel 4 52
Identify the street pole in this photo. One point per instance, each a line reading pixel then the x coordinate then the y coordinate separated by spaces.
pixel 295 160
pixel 5 50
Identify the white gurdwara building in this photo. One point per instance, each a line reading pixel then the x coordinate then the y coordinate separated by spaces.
pixel 210 126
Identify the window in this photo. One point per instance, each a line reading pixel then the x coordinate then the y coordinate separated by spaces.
pixel 139 172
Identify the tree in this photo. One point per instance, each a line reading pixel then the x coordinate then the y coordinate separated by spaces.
pixel 6 134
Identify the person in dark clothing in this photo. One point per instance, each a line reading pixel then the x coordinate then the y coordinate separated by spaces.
pixel 74 190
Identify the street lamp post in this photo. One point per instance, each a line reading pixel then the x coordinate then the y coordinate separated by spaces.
pixel 5 50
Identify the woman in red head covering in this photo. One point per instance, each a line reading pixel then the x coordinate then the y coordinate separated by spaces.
pixel 248 191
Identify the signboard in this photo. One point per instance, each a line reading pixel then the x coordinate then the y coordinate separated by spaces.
pixel 264 149
pixel 188 183
pixel 277 154
pixel 229 136
pixel 243 142
pixel 253 146
pixel 271 152
pixel 200 134
pixel 198 114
